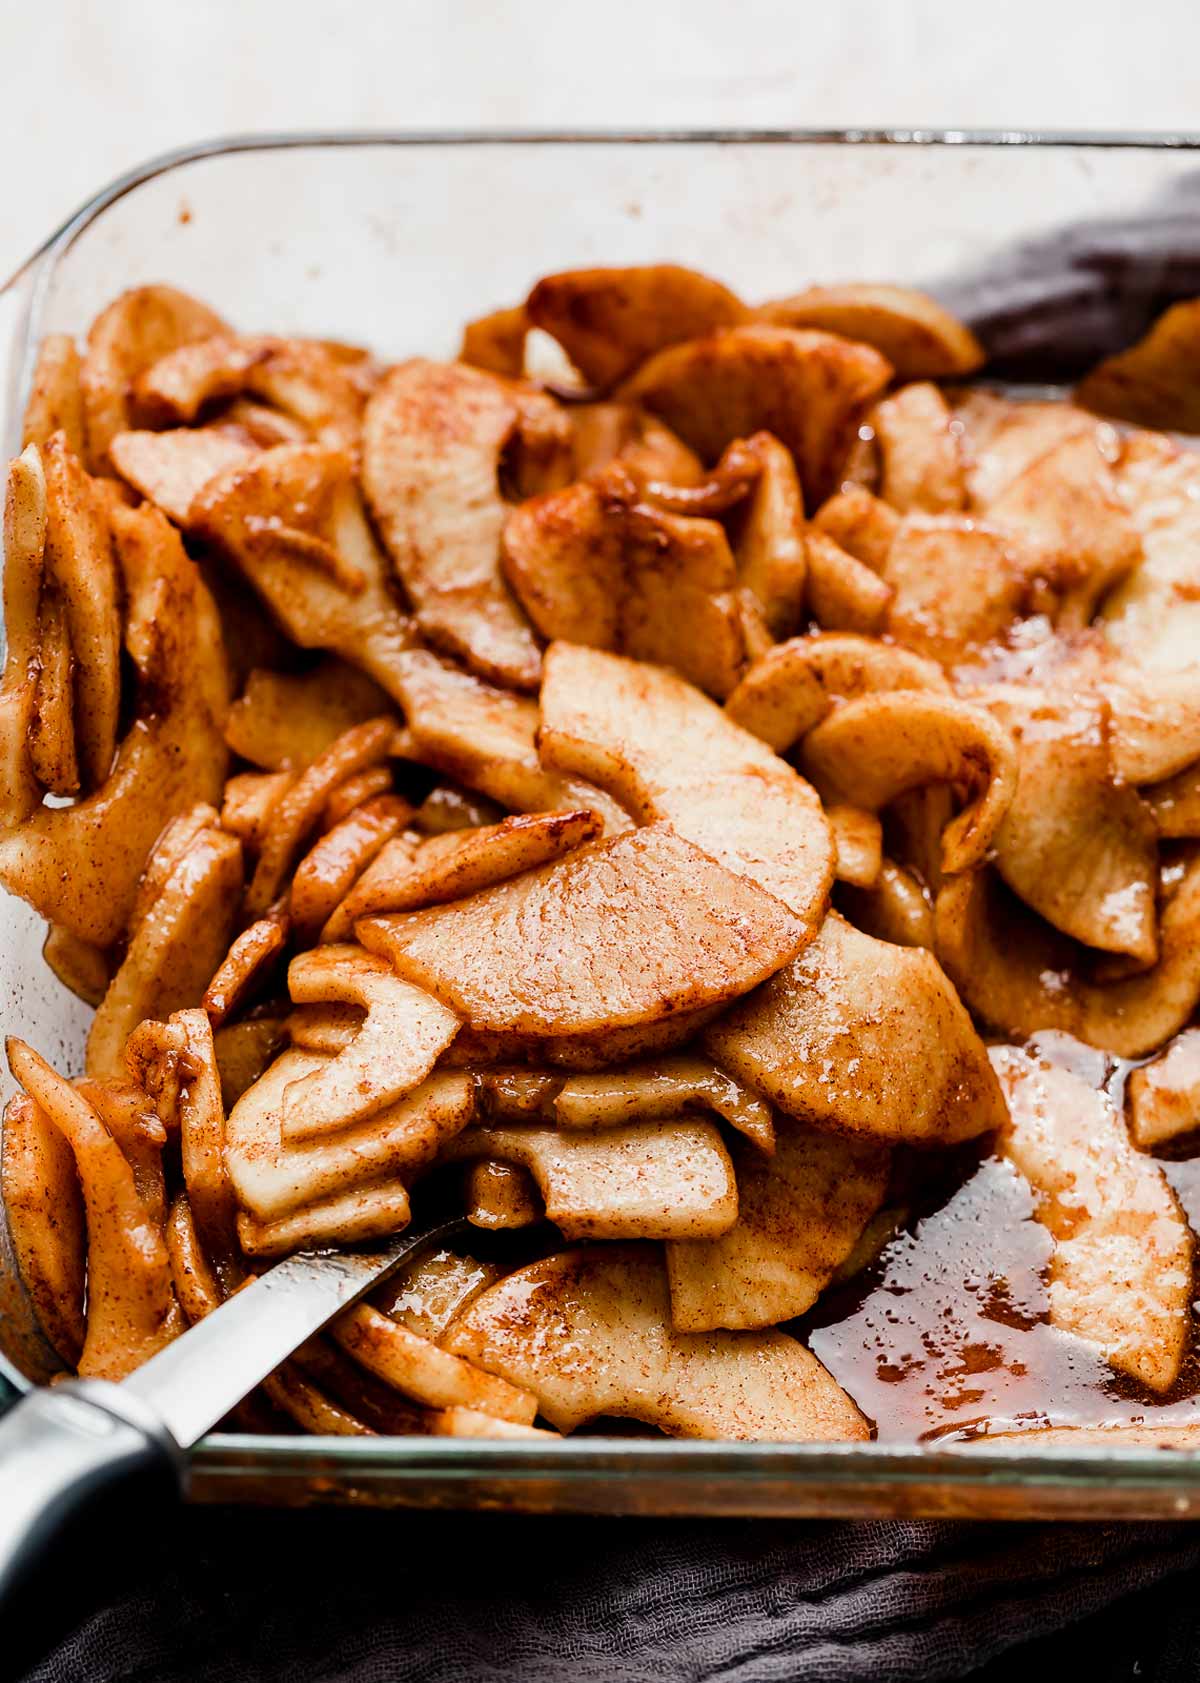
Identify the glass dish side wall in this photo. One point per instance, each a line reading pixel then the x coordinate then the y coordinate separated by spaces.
pixel 397 242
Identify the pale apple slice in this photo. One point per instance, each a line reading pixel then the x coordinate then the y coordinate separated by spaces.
pixel 1000 438
pixel 898 908
pixel 433 438
pixel 1019 975
pixel 1076 844
pixel 858 843
pixel 458 863
pixel 1153 383
pixel 134 331
pixel 795 684
pixel 809 389
pixel 341 1218
pixel 1121 1271
pixel 338 859
pixel 24 549
pixel 283 721
pixel 274 1178
pixel 499 1196
pixel 647 930
pixel 172 468
pixel 471 1423
pixel 959 585
pixel 1164 1096
pixel 55 402
pixel 131 1306
pixel 800 1215
pixel 919 336
pixel 649 1092
pixel 487 738
pixel 403 1035
pixel 920 465
pixel 423 1371
pixel 596 565
pixel 844 594
pixel 79 567
pixel 1067 503
pixel 173 949
pixel 306 379
pixel 860 1036
pixel 668 753
pixel 1153 617
pixel 872 749
pixel 860 523
pixel 668 1179
pixel 296 813
pixel 292 521
pixel 44 1209
pixel 249 800
pixel 610 320
pixel 79 865
pixel 589 1333
pixel 769 543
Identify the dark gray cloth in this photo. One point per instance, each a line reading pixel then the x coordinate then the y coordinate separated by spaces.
pixel 333 1597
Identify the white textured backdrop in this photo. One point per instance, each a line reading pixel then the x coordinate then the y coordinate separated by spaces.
pixel 91 87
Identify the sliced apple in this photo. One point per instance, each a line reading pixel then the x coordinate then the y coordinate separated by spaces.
pixel 337 860
pixel 487 738
pixel 919 336
pixel 800 1215
pixel 173 949
pixel 668 1179
pixel 1121 1271
pixel 589 1333
pixel 860 523
pixel 275 1178
pixel 668 753
pixel 597 565
pixel 863 1037
pixel 433 439
pixel 920 465
pixel 1076 844
pixel 609 320
pixel 1164 1095
pixel 459 863
pixel 292 521
pixel 172 468
pixel 870 750
pixel 1019 976
pixel 55 402
pixel 44 1210
pixel 1153 383
pixel 134 331
pixel 795 683
pixel 79 865
pixel 131 1306
pixel 808 389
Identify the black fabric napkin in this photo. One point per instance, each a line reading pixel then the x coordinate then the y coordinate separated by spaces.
pixel 349 1597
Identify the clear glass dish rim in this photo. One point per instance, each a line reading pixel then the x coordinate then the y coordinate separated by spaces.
pixel 415 1461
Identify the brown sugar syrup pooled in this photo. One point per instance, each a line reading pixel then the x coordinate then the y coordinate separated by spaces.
pixel 947 1335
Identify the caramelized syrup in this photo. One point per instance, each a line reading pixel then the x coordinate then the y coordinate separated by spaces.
pixel 948 1333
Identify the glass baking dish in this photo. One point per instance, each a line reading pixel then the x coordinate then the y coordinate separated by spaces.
pixel 1055 247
